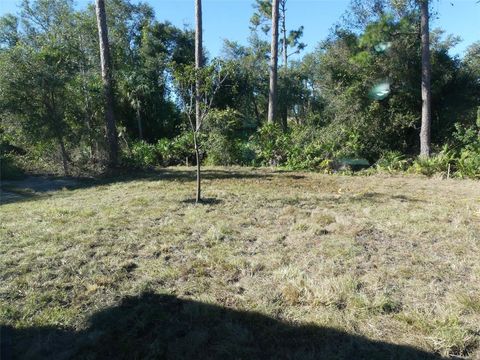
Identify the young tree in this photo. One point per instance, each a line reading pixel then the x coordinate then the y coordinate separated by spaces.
pixel 197 88
pixel 198 84
pixel 273 63
pixel 426 80
pixel 107 82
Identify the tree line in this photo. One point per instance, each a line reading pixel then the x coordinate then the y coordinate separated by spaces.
pixel 110 85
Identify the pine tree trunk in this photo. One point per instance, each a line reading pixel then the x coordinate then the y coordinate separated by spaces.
pixel 426 80
pixel 198 110
pixel 272 95
pixel 107 83
pixel 284 34
pixel 284 115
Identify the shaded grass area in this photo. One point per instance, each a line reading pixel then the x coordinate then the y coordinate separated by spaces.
pixel 166 327
pixel 34 187
pixel 388 266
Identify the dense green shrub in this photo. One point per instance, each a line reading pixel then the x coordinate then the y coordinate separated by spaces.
pixel 246 153
pixel 166 152
pixel 467 161
pixel 142 154
pixel 271 145
pixel 461 159
pixel 392 161
pixel 311 157
pixel 467 138
pixel 176 151
pixel 301 148
pixel 438 164
pixel 9 170
pixel 308 150
pixel 223 132
pixel 221 150
pixel 468 164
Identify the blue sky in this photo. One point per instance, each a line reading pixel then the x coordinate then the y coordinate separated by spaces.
pixel 230 18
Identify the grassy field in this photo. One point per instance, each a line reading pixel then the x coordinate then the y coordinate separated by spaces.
pixel 273 265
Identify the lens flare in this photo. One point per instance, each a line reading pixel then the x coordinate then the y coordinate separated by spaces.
pixel 380 90
pixel 383 47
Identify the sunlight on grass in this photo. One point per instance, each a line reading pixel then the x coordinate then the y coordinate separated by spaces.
pixel 389 258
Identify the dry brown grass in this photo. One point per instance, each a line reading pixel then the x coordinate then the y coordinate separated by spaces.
pixel 395 259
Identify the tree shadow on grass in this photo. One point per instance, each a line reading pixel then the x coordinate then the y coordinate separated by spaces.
pixel 203 201
pixel 165 327
pixel 32 188
pixel 382 198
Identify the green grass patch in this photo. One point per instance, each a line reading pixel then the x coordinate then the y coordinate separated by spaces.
pixel 278 266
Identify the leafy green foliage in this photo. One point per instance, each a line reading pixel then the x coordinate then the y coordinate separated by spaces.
pixel 392 161
pixel 308 150
pixel 166 152
pixel 223 145
pixel 9 170
pixel 261 18
pixel 38 93
pixel 356 96
pixel 468 157
pixel 143 154
pixel 468 164
pixel 54 94
pixel 438 164
pixel 478 117
pixel 462 160
pixel 176 151
pixel 271 145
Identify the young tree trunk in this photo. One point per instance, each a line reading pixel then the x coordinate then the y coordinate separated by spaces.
pixel 198 59
pixel 198 197
pixel 107 82
pixel 272 95
pixel 426 79
pixel 198 109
